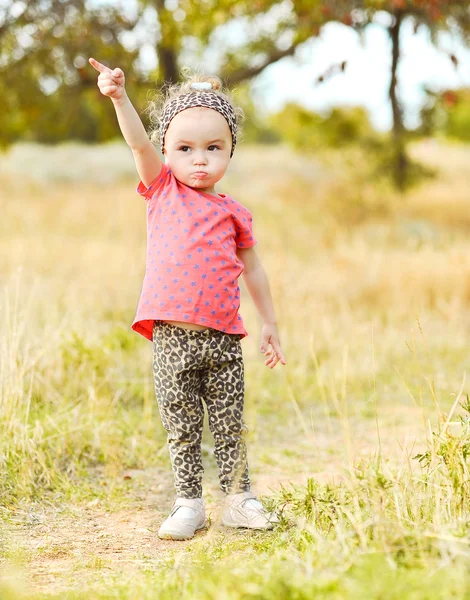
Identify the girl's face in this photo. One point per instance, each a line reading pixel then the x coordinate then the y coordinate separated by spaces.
pixel 198 143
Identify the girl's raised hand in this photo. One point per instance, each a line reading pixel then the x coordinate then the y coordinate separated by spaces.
pixel 110 81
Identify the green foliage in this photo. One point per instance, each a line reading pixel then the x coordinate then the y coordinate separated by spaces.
pixel 447 113
pixel 448 453
pixel 316 502
pixel 346 128
pixel 47 89
pixel 306 130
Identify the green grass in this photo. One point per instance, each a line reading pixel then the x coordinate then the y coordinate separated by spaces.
pixel 361 441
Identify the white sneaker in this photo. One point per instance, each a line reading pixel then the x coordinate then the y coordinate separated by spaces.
pixel 244 510
pixel 187 516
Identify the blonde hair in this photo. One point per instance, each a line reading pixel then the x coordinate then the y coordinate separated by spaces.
pixel 159 99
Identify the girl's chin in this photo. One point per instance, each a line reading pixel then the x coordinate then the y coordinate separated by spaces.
pixel 200 182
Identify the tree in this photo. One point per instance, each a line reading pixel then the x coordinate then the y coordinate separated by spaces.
pixel 46 88
pixel 436 15
pixel 49 89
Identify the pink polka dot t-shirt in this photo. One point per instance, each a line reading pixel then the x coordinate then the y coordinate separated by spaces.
pixel 192 268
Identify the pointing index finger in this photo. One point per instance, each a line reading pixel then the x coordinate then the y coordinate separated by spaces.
pixel 98 66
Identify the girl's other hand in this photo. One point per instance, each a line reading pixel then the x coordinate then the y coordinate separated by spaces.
pixel 110 81
pixel 270 336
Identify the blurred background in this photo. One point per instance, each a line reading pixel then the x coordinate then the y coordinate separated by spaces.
pixel 313 74
pixel 355 164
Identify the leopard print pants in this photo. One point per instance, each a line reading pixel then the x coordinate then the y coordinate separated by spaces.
pixel 190 366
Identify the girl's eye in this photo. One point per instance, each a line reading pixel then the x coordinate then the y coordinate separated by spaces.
pixel 184 148
pixel 211 147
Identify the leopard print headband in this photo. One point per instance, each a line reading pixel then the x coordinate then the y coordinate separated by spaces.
pixel 193 99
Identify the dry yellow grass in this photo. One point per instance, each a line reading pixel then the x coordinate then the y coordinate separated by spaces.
pixel 371 292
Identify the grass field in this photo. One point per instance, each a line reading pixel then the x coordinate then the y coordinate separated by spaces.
pixel 361 441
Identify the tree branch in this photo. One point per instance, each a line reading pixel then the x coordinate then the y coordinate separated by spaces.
pixel 248 72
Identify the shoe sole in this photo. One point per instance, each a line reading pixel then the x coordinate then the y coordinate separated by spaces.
pixel 168 535
pixel 238 526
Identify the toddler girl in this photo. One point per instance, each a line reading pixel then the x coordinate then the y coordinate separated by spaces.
pixel 199 242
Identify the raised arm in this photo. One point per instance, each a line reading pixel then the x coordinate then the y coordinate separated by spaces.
pixel 112 84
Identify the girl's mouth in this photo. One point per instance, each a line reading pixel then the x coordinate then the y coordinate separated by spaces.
pixel 200 174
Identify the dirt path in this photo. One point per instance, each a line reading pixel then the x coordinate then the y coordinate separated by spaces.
pixel 65 547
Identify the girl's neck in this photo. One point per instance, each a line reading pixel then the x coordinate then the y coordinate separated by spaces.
pixel 209 191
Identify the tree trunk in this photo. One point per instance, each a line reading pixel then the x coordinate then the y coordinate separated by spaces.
pixel 401 159
pixel 167 48
pixel 167 63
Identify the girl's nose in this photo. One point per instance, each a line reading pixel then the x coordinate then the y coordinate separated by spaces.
pixel 200 158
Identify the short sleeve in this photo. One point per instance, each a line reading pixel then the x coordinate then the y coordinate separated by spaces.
pixel 158 184
pixel 244 237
